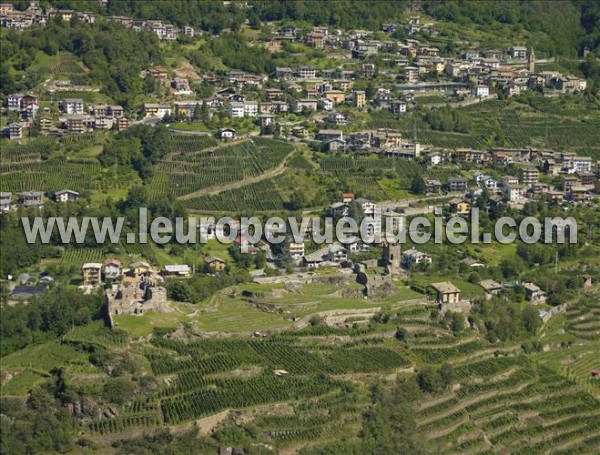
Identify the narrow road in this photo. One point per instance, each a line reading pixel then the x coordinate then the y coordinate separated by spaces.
pixel 216 189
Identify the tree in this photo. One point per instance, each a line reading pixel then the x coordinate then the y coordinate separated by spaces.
pixel 204 113
pixel 118 390
pixel 531 320
pixel 429 380
pixel 197 116
pixel 456 321
pixel 418 185
pixel 401 334
pixel 446 373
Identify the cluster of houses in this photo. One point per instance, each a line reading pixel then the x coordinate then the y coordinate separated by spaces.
pixel 472 74
pixel 533 293
pixel 95 273
pixel 579 175
pixel 74 117
pixel 34 199
pixel 35 16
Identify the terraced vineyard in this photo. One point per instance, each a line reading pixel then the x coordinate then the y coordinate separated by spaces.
pixel 196 391
pixel 511 405
pixel 68 65
pixel 578 354
pixel 48 176
pixel 260 196
pixel 32 150
pixel 360 173
pixel 76 257
pixel 192 168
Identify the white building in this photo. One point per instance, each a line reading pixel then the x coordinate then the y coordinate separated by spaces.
pixel 481 91
pixel 72 106
pixel 412 257
pixel 13 101
pixel 156 110
pixel 236 109
pixel 66 196
pixel 513 193
pixel 250 108
pixel 296 250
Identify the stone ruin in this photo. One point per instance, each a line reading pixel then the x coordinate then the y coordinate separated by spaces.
pixel 136 299
pixel 377 286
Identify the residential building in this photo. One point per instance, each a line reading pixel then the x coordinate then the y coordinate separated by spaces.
pixel 458 184
pixel 306 103
pixel 72 106
pixel 336 96
pixel 335 145
pixel 15 131
pixel 513 192
pixel 446 292
pixel 327 135
pixel 433 186
pixel 397 106
pixel 325 104
pixel 460 206
pixel 411 74
pixel 411 257
pixel 5 200
pixel 296 250
pixel 250 108
pixel 491 287
pixel 316 39
pixel 214 263
pixel 337 253
pixel 530 175
pixel 265 120
pixel 283 73
pixel 581 164
pixel 75 124
pixel 176 270
pixel 181 86
pixel 227 133
pixel 92 273
pixel 368 69
pixel 236 109
pixel 360 99
pixel 189 31
pixel 66 196
pixel 123 123
pixel 32 199
pixel 13 101
pixel 307 72
pixel 154 110
pixel 140 269
pixel 481 91
pixel 555 197
pixel 112 269
pixel 519 52
pixel 336 118
pixel 580 193
pixel 533 293
pixel 569 182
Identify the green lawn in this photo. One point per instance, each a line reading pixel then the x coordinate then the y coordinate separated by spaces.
pixel 235 314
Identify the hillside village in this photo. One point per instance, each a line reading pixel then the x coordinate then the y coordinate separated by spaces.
pixel 325 100
pixel 303 347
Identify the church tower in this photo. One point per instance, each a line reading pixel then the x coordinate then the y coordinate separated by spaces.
pixel 531 61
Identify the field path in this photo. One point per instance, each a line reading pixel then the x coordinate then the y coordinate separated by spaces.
pixel 278 170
